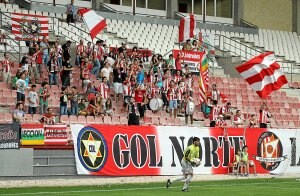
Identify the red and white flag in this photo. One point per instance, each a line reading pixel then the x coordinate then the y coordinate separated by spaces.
pixel 263 74
pixel 25 25
pixel 93 21
pixel 187 28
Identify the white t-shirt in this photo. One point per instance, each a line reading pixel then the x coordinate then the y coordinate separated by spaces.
pixel 106 72
pixel 33 96
pixel 21 85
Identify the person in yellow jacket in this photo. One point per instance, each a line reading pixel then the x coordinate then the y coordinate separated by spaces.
pixel 245 160
pixel 238 163
pixel 190 159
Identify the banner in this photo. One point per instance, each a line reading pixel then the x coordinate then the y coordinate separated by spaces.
pixel 25 25
pixel 149 150
pixel 32 134
pixel 9 136
pixel 56 134
pixel 191 58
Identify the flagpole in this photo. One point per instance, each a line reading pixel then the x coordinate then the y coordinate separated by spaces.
pixel 264 102
pixel 245 125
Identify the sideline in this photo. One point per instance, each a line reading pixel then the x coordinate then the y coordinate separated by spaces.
pixel 155 188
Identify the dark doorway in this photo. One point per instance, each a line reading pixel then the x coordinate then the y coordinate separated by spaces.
pixel 116 2
pixel 182 7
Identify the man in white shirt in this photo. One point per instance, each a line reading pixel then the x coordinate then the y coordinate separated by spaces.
pixel 106 72
pixel 32 99
pixel 21 86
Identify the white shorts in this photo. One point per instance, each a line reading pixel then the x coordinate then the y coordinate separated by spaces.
pixel 186 167
pixel 118 88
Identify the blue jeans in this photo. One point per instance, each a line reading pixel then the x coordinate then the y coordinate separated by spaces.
pixel 52 78
pixel 63 110
pixel 77 61
pixel 96 68
pixel 45 58
pixel 74 110
pixel 59 59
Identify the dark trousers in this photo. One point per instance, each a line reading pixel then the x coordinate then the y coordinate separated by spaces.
pixel 141 109
pixel 32 110
pixel 212 123
pixel 262 125
pixel 133 119
pixel 70 18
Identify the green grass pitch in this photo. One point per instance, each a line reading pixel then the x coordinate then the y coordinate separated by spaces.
pixel 272 186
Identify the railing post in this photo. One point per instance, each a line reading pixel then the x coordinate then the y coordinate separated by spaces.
pixel 292 66
pixel 19 51
pixel 1 20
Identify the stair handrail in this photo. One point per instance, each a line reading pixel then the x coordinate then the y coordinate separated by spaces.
pixel 236 42
pixel 8 38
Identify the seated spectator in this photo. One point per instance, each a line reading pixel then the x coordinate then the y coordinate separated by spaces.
pixel 92 108
pixel 48 118
pixel 82 108
pixel 19 114
pixel 245 160
pixel 108 108
pixel 187 45
pixel 226 111
pixel 238 162
pixel 221 122
pixel 252 121
pixel 237 119
pixel 99 106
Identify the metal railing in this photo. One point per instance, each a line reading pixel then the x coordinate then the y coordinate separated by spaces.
pixel 4 24
pixel 244 23
pixel 236 47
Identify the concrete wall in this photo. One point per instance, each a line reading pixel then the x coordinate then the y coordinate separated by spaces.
pixel 16 162
pixel 269 14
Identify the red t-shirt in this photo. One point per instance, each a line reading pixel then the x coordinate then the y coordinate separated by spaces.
pixel 178 64
pixel 139 95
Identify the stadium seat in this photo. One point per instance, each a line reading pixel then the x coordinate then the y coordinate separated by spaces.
pixel 81 119
pixel 123 120
pixel 73 119
pixel 115 120
pixel 90 119
pixel 64 119
pixel 107 120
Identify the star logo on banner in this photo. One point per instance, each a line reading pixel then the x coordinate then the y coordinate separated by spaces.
pixel 92 148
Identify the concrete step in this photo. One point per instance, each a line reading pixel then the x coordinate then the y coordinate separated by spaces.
pixel 54 170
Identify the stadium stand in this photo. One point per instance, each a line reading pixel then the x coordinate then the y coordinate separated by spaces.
pixel 161 39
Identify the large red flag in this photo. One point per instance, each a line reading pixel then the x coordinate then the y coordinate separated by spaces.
pixel 93 21
pixel 263 74
pixel 187 28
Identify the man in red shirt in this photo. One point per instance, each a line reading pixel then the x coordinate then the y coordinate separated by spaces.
pixel 6 68
pixel 48 118
pixel 226 111
pixel 264 116
pixel 80 50
pixel 104 90
pixel 214 113
pixel 237 119
pixel 139 96
pixel 172 98
pixel 178 63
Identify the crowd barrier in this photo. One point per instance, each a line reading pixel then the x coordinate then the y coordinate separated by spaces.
pixel 157 150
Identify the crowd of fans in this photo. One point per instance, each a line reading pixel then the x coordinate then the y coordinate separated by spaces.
pixel 119 72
